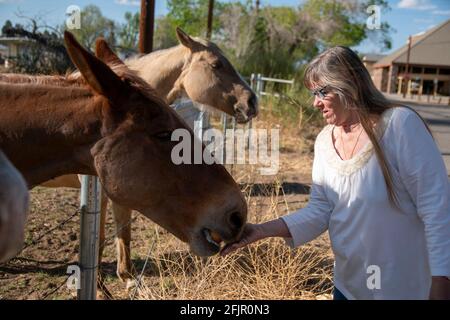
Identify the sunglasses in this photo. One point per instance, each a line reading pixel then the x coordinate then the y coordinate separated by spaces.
pixel 321 93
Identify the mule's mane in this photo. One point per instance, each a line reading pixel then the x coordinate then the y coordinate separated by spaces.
pixel 153 54
pixel 75 79
pixel 43 80
pixel 141 61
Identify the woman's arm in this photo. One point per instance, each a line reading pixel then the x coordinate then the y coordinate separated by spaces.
pixel 424 175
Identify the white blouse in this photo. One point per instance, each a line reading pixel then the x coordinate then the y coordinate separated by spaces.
pixel 381 252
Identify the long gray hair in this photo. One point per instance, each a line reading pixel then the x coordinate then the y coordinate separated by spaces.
pixel 341 69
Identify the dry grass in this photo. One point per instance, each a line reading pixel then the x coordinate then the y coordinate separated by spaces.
pixel 268 269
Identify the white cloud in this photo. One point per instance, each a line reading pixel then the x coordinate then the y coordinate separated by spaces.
pixel 441 12
pixel 421 20
pixel 128 2
pixel 416 4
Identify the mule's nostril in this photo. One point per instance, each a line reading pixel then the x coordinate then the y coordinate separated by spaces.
pixel 236 220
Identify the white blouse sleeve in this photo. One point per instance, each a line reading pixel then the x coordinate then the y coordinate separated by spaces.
pixel 310 222
pixel 423 173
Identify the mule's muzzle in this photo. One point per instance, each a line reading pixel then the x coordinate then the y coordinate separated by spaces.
pixel 214 237
pixel 245 111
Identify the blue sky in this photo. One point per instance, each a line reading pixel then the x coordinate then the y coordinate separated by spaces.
pixel 406 16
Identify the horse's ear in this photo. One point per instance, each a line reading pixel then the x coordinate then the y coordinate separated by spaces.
pixel 186 39
pixel 96 73
pixel 104 53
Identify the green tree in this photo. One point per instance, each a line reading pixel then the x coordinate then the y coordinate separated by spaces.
pixel 94 25
pixel 165 36
pixel 192 15
pixel 7 26
pixel 276 41
pixel 129 34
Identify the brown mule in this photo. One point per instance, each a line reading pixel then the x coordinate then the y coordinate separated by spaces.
pixel 111 124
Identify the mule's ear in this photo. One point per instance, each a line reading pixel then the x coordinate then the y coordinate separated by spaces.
pixel 96 73
pixel 186 39
pixel 104 53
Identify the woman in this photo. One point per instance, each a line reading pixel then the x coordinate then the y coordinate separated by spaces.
pixel 380 188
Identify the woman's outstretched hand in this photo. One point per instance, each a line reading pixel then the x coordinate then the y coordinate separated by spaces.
pixel 255 232
pixel 251 233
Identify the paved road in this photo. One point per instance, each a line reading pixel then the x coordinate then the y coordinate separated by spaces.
pixel 438 118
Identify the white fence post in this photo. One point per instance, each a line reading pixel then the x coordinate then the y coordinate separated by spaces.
pixel 259 84
pixel 89 239
pixel 260 87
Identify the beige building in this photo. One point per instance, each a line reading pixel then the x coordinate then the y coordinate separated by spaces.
pixel 429 65
pixel 370 59
pixel 12 47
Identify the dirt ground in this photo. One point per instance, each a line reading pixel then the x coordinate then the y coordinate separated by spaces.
pixel 39 272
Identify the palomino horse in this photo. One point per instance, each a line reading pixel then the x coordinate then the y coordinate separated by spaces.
pixel 110 124
pixel 197 69
pixel 13 209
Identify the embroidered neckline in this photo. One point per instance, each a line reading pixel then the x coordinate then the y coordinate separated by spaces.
pixel 348 167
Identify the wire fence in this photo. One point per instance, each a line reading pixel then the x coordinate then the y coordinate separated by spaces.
pixel 54 288
pixel 259 84
pixel 37 241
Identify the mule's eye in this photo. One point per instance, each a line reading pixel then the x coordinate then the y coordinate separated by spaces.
pixel 217 65
pixel 165 135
